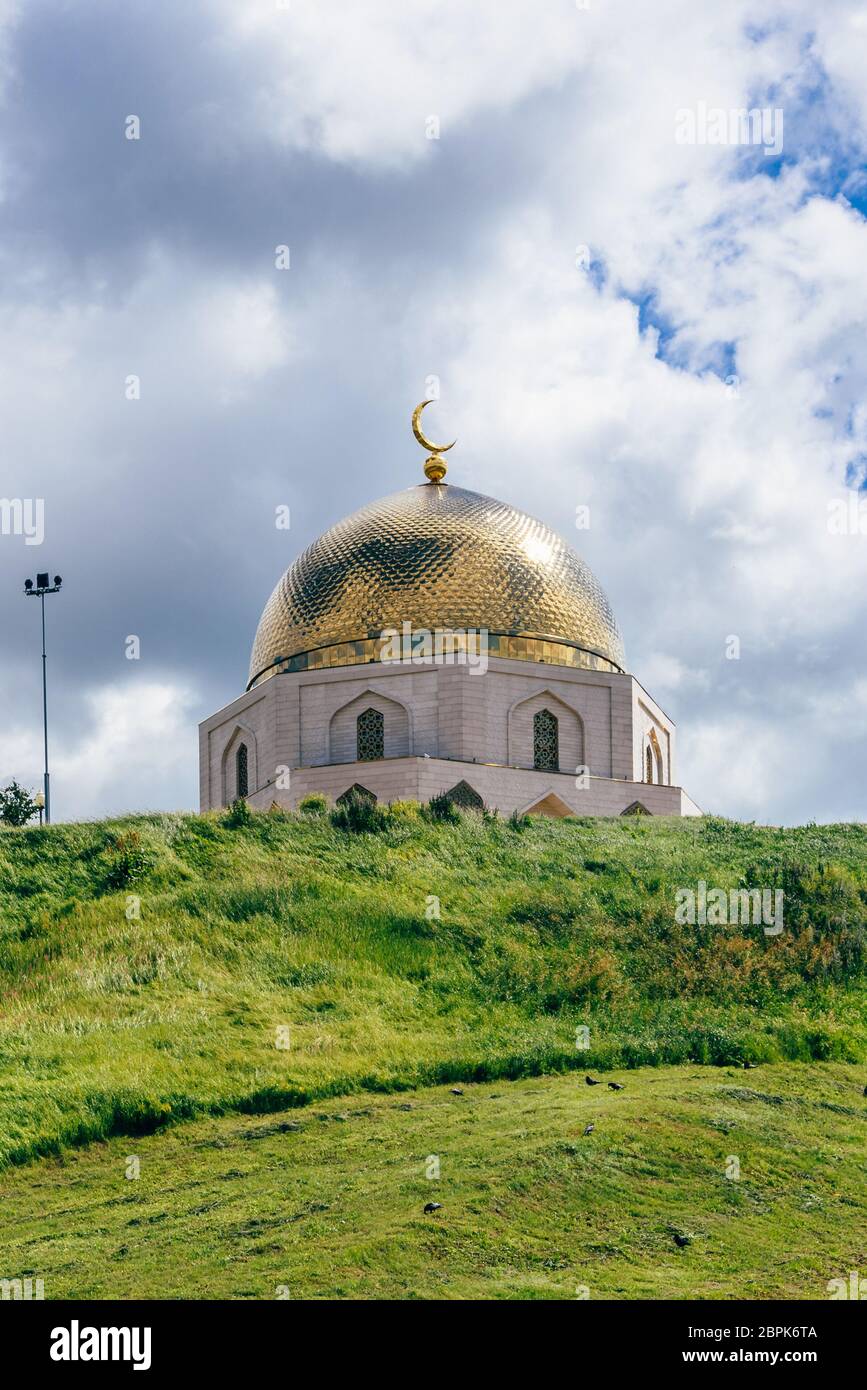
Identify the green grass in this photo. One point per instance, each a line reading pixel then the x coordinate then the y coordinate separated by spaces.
pixel 327 1202
pixel 117 1025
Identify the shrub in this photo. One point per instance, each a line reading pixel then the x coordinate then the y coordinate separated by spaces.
pixel 517 822
pixel 239 814
pixel 128 861
pixel 443 808
pixel 17 806
pixel 313 805
pixel 401 811
pixel 359 815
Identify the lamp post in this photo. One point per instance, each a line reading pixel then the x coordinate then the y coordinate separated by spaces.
pixel 39 590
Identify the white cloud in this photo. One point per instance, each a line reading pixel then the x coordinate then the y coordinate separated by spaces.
pixel 359 82
pixel 198 346
pixel 664 674
pixel 134 753
pixel 737 763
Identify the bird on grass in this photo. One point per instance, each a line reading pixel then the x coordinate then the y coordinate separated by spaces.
pixel 591 1082
pixel 456 1091
pixel 680 1241
pixel 749 1066
pixel 589 1129
pixel 432 1206
pixel 615 1086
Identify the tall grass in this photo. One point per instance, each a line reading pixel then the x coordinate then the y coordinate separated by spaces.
pixel 150 967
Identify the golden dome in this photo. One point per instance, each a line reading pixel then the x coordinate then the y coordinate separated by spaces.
pixel 436 557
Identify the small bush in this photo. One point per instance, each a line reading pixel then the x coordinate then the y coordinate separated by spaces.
pixel 313 805
pixel 443 808
pixel 518 822
pixel 128 861
pixel 359 815
pixel 17 806
pixel 239 814
pixel 401 811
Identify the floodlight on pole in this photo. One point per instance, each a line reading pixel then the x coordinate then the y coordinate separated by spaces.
pixel 39 590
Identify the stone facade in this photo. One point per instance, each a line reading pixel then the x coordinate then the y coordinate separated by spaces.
pixel 443 724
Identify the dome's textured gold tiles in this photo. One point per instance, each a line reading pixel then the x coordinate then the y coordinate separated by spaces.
pixel 436 556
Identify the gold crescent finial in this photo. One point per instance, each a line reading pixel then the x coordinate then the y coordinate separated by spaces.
pixel 435 466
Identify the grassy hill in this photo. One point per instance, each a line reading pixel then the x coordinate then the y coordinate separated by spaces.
pixel 162 968
pixel 328 1201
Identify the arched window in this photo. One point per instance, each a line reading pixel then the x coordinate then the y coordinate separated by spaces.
pixel 546 743
pixel 241 780
pixel 648 764
pixel 371 735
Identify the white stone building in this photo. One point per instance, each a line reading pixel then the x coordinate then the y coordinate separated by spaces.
pixel 440 640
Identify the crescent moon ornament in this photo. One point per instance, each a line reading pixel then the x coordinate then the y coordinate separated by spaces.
pixel 435 465
pixel 422 438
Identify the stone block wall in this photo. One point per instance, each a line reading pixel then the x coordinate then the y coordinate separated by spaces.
pixel 307 720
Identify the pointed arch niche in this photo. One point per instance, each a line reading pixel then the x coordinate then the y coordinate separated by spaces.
pixel 235 762
pixel 653 762
pixel 343 730
pixel 523 731
pixel 550 804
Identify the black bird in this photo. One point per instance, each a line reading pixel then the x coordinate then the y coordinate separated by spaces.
pixel 591 1082
pixel 681 1241
pixel 456 1091
pixel 589 1129
pixel 749 1066
pixel 615 1086
pixel 432 1206
pixel 865 1090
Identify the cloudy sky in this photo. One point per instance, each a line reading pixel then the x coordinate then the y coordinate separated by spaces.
pixel 623 311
